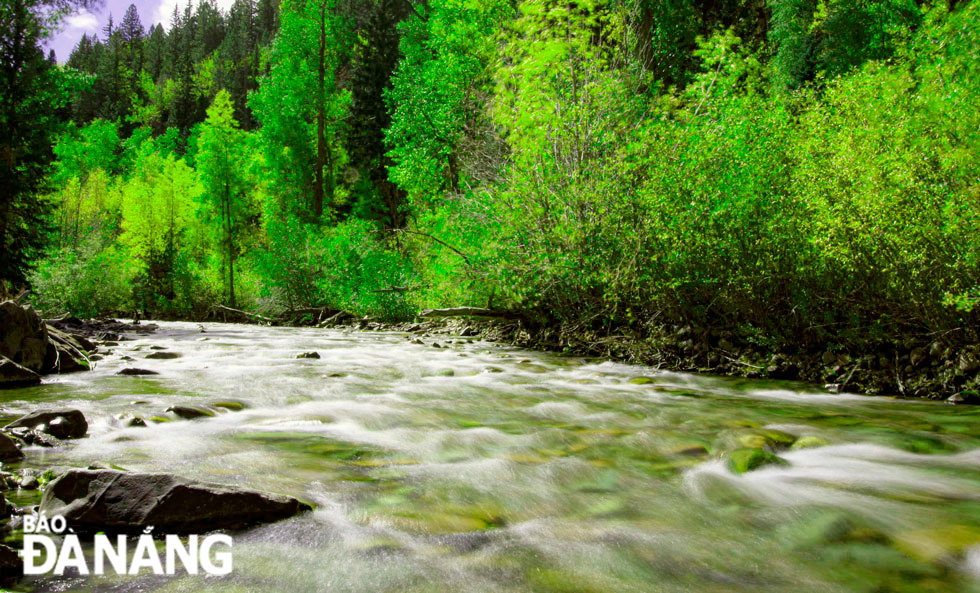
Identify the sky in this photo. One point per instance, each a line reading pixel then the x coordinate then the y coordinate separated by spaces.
pixel 89 22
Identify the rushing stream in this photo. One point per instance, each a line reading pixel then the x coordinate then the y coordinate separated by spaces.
pixel 475 467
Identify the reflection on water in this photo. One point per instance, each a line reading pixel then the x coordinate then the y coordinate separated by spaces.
pixel 475 467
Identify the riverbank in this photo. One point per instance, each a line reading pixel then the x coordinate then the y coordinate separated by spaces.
pixel 914 369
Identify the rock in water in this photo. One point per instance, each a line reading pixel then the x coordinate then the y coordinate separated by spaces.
pixel 308 355
pixel 8 449
pixel 110 500
pixel 14 375
pixel 134 372
pixel 61 424
pixel 191 412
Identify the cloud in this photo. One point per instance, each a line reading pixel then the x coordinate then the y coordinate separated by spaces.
pixel 81 21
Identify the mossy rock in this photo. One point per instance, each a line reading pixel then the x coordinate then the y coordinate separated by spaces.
pixel 445 373
pixel 809 442
pixel 746 460
pixel 641 380
pixel 191 412
pixel 773 439
pixel 233 406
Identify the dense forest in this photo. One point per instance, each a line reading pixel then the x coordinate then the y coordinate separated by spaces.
pixel 796 172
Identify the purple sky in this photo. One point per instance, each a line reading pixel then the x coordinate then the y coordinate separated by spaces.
pixel 92 21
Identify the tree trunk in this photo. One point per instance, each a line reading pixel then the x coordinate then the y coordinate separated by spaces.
pixel 231 247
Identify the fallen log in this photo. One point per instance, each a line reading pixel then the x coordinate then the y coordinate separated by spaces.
pixel 336 319
pixel 469 312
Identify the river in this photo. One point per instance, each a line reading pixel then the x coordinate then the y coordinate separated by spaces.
pixel 478 467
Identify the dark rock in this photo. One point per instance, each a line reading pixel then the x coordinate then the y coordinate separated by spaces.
pixel 163 355
pixel 66 360
pixel 14 375
pixel 30 483
pixel 158 347
pixel 61 424
pixel 34 437
pixel 23 337
pixel 115 501
pixel 129 420
pixel 8 449
pixel 190 412
pixel 11 565
pixel 308 355
pixel 136 372
pixel 829 358
pixel 968 362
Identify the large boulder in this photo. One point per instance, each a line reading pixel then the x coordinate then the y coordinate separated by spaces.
pixel 23 336
pixel 61 424
pixel 14 375
pixel 116 501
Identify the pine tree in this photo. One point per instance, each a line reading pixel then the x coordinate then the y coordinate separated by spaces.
pixel 32 95
pixel 375 57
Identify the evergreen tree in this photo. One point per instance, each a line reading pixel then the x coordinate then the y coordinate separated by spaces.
pixel 375 57
pixel 32 97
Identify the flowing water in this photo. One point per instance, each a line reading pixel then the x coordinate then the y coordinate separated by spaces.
pixel 477 467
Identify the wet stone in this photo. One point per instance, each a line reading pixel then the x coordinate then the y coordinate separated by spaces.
pixel 134 372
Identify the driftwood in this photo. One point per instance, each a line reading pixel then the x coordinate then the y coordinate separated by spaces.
pixel 317 314
pixel 225 311
pixel 469 312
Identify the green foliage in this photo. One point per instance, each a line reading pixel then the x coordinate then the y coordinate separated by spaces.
pixel 159 230
pixel 290 100
pixel 222 163
pixel 359 265
pixel 33 92
pixel 436 92
pixel 89 281
pixel 797 171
